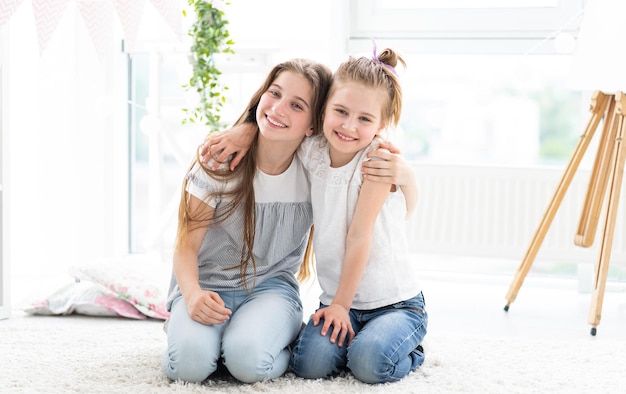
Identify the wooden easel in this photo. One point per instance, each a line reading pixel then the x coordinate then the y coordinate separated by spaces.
pixel 607 174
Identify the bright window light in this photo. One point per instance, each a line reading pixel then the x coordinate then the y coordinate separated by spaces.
pixel 413 4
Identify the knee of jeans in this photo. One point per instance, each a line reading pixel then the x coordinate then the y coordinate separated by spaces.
pixel 192 367
pixel 370 367
pixel 252 367
pixel 311 368
pixel 369 370
pixel 249 361
pixel 315 358
pixel 246 372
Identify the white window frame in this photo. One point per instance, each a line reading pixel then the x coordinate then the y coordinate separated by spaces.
pixel 419 29
pixel 5 289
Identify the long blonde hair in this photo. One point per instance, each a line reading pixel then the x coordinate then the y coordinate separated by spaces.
pixel 242 194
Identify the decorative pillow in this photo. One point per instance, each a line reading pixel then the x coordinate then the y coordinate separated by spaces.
pixel 144 296
pixel 84 298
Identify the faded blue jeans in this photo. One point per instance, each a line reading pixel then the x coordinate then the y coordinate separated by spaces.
pixel 385 348
pixel 252 343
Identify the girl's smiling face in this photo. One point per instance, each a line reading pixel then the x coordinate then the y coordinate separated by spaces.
pixel 352 118
pixel 284 112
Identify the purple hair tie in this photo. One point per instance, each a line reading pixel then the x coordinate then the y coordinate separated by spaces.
pixel 377 60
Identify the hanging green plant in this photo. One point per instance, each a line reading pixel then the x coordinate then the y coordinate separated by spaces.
pixel 210 37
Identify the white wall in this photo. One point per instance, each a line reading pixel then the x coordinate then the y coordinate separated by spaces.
pixel 66 122
pixel 67 160
pixel 67 128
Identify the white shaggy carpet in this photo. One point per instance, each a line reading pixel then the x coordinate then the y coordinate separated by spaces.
pixel 542 345
pixel 74 354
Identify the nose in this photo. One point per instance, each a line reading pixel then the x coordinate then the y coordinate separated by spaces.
pixel 279 108
pixel 349 125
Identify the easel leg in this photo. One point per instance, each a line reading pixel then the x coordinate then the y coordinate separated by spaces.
pixel 615 185
pixel 599 103
pixel 598 182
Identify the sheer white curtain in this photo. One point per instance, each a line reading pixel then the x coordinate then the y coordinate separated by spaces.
pixel 67 164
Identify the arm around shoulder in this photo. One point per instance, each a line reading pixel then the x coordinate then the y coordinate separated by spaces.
pixel 232 143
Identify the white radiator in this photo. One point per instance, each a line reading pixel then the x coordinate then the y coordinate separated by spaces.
pixel 494 212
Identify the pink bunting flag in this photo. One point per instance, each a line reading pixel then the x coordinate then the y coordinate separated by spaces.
pixel 7 9
pixel 129 13
pixel 170 11
pixel 98 18
pixel 48 13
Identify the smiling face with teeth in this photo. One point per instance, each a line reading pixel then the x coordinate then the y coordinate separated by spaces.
pixel 352 118
pixel 284 112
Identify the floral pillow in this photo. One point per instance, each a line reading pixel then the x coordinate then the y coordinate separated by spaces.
pixel 130 287
pixel 83 298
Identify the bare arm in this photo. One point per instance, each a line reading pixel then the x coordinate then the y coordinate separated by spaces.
pixel 358 242
pixel 235 141
pixel 392 168
pixel 203 306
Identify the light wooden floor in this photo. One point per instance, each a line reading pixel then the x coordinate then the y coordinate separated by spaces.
pixel 545 308
pixel 468 300
pixel 458 299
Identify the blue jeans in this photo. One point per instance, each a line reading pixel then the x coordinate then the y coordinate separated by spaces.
pixel 383 350
pixel 252 344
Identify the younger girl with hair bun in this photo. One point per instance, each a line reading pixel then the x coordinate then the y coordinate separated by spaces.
pixel 372 317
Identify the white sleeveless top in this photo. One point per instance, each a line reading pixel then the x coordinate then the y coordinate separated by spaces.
pixel 390 275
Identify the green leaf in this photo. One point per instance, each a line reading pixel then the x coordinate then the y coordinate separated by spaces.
pixel 210 36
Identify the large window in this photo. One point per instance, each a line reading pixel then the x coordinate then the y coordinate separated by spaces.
pixel 485 84
pixel 161 146
pixel 462 26
pixel 490 109
pixel 487 81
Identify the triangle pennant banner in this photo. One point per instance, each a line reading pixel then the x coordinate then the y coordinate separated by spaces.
pixel 47 16
pixel 7 9
pixel 98 17
pixel 130 13
pixel 171 12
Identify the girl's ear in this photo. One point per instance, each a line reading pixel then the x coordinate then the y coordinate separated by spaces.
pixel 309 132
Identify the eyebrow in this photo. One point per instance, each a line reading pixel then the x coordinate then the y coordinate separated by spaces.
pixel 296 97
